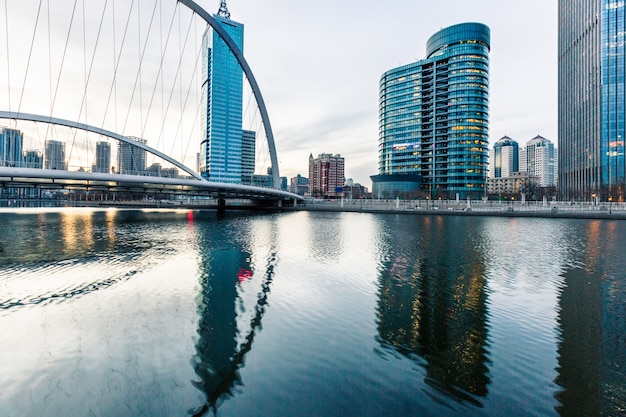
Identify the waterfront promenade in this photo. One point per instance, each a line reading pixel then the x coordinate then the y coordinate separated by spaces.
pixel 583 210
pixel 553 209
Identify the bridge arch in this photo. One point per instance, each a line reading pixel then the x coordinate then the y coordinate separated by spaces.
pixel 193 6
pixel 88 128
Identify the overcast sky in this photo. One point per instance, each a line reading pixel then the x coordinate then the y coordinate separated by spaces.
pixel 318 64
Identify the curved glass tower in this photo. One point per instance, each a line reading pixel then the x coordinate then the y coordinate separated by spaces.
pixel 433 119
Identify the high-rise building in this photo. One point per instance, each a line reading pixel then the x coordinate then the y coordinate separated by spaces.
pixel 33 159
pixel 433 119
pixel 504 158
pixel 539 159
pixel 11 142
pixel 248 155
pixel 222 98
pixel 592 119
pixel 131 159
pixel 326 175
pixel 103 158
pixel 54 157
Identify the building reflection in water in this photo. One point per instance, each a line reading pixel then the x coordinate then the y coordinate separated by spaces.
pixel 592 348
pixel 224 339
pixel 432 304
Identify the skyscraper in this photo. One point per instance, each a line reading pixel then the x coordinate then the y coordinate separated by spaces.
pixel 55 155
pixel 433 119
pixel 222 92
pixel 11 142
pixel 504 158
pixel 103 158
pixel 592 118
pixel 131 159
pixel 539 159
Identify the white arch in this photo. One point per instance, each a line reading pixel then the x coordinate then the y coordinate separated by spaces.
pixel 97 130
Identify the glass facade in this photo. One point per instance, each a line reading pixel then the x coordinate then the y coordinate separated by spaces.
pixel 504 158
pixel 591 100
pixel 222 95
pixel 433 118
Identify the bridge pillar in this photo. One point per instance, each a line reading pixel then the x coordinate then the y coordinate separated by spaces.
pixel 221 205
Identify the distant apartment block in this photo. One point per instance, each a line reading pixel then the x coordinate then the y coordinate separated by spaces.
pixel 539 158
pixel 326 175
pixel 33 159
pixel 54 155
pixel 11 142
pixel 299 185
pixel 514 184
pixel 103 158
pixel 131 159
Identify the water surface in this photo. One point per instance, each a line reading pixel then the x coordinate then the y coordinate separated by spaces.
pixel 172 313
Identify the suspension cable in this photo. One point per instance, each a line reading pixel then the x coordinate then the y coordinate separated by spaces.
pixel 30 54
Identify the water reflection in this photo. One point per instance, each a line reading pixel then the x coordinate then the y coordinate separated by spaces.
pixel 432 303
pixel 592 348
pixel 224 336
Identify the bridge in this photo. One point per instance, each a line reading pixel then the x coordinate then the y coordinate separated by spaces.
pixel 87 79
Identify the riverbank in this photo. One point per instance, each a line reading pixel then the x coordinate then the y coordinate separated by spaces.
pixel 615 211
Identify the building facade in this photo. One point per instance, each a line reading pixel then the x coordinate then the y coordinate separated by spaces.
pixel 11 143
pixel 504 158
pixel 326 175
pixel 248 155
pixel 540 160
pixel 54 157
pixel 33 159
pixel 592 116
pixel 131 159
pixel 102 163
pixel 433 119
pixel 222 98
pixel 299 185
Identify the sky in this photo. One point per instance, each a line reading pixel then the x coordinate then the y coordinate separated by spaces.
pixel 318 65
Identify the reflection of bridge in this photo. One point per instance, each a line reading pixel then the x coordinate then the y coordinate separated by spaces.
pixel 18 174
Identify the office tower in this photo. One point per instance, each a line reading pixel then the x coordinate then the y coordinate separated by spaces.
pixel 504 158
pixel 222 92
pixel 131 159
pixel 592 120
pixel 539 159
pixel 433 119
pixel 103 158
pixel 33 159
pixel 54 157
pixel 326 175
pixel 248 155
pixel 11 142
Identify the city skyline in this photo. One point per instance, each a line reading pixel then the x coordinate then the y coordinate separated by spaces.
pixel 318 66
pixel 362 41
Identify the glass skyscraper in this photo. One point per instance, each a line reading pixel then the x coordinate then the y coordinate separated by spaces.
pixel 504 158
pixel 591 99
pixel 222 92
pixel 433 119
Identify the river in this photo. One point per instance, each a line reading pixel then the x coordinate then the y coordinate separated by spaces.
pixel 179 312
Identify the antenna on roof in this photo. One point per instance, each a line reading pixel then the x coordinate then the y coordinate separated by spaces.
pixel 223 11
